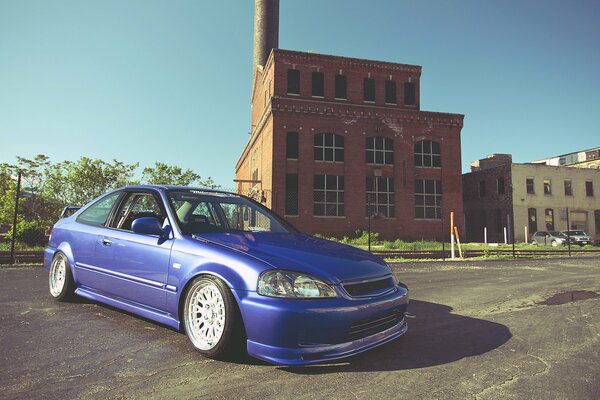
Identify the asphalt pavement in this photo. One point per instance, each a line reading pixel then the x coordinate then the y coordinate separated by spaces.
pixel 524 329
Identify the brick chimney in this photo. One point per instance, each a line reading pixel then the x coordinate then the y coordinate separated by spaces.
pixel 266 31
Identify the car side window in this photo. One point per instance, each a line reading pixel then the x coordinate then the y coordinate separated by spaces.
pixel 98 213
pixel 137 205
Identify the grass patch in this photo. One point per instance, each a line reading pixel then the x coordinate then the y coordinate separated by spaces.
pixel 19 246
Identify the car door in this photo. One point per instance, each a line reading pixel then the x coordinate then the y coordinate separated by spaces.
pixel 90 225
pixel 137 263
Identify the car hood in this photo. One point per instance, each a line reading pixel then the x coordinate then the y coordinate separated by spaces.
pixel 334 262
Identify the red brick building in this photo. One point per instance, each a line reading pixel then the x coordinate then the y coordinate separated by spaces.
pixel 335 139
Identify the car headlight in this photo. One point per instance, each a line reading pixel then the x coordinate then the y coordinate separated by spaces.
pixel 294 285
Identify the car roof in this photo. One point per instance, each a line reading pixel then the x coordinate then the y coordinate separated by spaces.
pixel 177 187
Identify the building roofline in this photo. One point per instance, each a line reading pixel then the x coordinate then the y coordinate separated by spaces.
pixel 566 154
pixel 347 60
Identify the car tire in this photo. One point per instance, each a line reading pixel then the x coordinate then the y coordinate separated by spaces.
pixel 211 318
pixel 533 243
pixel 554 243
pixel 60 279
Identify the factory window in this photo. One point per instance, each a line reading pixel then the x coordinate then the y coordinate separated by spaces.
pixel 532 218
pixel 379 150
pixel 340 87
pixel 547 186
pixel 390 92
pixel 328 197
pixel 369 89
pixel 428 199
pixel 481 188
pixel 589 188
pixel 291 194
pixel 380 196
pixel 293 81
pixel 291 145
pixel 529 186
pixel 568 187
pixel 427 154
pixel 318 84
pixel 500 185
pixel 329 147
pixel 549 219
pixel 409 94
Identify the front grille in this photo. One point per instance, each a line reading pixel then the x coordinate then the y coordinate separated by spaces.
pixel 372 326
pixel 370 288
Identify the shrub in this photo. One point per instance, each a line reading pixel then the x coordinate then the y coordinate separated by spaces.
pixel 31 233
pixel 362 238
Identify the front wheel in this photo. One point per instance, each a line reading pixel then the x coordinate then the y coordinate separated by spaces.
pixel 60 280
pixel 554 243
pixel 211 318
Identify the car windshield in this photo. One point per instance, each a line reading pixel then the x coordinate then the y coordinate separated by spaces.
pixel 579 233
pixel 200 211
pixel 556 233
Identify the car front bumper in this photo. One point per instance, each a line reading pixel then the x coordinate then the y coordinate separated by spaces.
pixel 301 332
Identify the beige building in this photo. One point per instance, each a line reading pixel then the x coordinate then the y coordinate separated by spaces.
pixel 534 196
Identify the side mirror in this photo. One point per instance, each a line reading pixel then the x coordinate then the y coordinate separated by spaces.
pixel 147 226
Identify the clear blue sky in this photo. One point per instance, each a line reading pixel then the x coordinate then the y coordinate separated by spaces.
pixel 144 81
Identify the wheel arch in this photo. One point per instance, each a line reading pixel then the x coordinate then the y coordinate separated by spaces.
pixel 231 279
pixel 65 249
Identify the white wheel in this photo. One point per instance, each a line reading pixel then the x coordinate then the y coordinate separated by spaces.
pixel 60 281
pixel 211 318
pixel 554 243
pixel 205 320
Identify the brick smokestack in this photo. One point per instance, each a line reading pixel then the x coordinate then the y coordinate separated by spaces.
pixel 266 31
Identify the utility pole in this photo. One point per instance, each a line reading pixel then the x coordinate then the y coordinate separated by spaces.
pixel 14 227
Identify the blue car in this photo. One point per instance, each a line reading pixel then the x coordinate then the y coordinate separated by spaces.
pixel 228 272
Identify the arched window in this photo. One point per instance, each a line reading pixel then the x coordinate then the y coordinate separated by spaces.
pixel 427 154
pixel 379 150
pixel 329 147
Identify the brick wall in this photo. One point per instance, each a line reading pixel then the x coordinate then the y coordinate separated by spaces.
pixel 355 120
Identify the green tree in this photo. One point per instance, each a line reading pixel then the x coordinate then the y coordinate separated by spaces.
pixel 76 183
pixel 163 174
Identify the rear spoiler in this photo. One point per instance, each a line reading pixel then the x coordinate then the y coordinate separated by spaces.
pixel 68 211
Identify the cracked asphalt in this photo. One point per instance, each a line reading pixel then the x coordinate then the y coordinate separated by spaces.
pixel 481 332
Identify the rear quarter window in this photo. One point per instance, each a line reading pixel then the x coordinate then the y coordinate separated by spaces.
pixel 98 213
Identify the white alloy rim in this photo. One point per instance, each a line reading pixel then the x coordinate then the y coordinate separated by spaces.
pixel 58 271
pixel 205 320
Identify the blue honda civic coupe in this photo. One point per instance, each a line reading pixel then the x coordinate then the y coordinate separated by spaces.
pixel 228 272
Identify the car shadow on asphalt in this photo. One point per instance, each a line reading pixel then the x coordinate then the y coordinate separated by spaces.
pixel 435 337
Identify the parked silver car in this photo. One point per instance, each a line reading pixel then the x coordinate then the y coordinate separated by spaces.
pixel 578 237
pixel 552 238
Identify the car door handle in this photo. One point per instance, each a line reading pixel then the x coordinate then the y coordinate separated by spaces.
pixel 106 242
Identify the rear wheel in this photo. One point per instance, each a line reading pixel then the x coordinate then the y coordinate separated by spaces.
pixel 211 318
pixel 60 280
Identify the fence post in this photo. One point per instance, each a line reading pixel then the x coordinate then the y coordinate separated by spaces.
pixel 369 232
pixel 511 233
pixel 14 227
pixel 505 240
pixel 452 235
pixel 485 234
pixel 526 235
pixel 568 233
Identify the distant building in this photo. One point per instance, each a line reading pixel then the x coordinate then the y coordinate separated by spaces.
pixel 336 139
pixel 537 196
pixel 580 159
